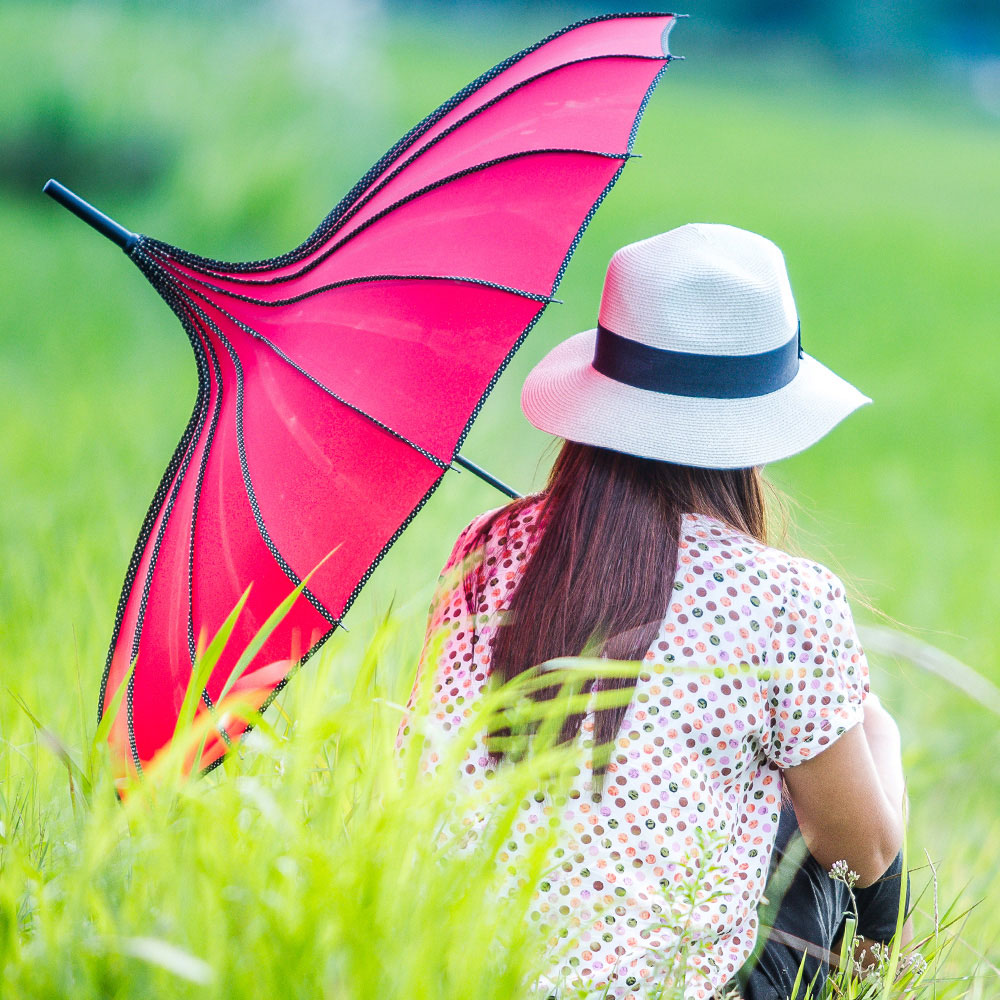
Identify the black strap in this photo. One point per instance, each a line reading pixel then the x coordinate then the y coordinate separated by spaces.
pixel 710 376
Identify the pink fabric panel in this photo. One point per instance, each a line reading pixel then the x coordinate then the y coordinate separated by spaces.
pixel 639 36
pixel 618 36
pixel 325 478
pixel 230 553
pixel 588 105
pixel 365 342
pixel 511 224
pixel 163 668
pixel 539 196
pixel 122 656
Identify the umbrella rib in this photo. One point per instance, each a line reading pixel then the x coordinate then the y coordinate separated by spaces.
pixel 196 506
pixel 396 171
pixel 156 505
pixel 203 465
pixel 439 462
pixel 160 280
pixel 170 294
pixel 455 126
pixel 167 508
pixel 328 224
pixel 310 265
pixel 359 280
pixel 247 481
pixel 565 263
pixel 221 730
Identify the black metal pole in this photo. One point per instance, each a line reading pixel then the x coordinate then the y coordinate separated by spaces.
pixel 486 477
pixel 84 210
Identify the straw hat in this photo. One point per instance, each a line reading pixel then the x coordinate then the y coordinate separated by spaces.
pixel 696 359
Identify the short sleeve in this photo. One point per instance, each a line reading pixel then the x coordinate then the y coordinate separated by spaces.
pixel 816 674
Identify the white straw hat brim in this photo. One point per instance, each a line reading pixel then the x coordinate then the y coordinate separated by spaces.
pixel 565 396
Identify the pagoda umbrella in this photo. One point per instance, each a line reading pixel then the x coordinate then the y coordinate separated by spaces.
pixel 336 383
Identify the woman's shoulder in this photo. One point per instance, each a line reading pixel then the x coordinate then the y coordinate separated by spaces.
pixel 705 539
pixel 506 527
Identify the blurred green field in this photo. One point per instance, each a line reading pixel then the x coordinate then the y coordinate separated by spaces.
pixel 232 137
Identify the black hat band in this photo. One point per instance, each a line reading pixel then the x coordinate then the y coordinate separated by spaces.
pixel 709 376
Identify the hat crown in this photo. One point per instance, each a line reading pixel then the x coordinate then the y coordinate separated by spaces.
pixel 702 288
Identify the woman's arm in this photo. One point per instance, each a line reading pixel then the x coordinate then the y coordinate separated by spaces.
pixel 849 798
pixel 882 735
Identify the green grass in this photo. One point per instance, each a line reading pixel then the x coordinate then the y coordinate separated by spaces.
pixel 884 199
pixel 315 862
pixel 308 870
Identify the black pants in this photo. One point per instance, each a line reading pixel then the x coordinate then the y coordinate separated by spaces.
pixel 805 903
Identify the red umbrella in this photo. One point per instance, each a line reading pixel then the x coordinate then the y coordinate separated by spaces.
pixel 336 383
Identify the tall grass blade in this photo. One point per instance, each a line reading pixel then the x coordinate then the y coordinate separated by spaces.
pixel 203 667
pixel 168 956
pixel 264 632
pixel 75 774
pixel 894 642
pixel 110 713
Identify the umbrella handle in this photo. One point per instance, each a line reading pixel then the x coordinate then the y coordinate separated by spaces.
pixel 486 477
pixel 84 210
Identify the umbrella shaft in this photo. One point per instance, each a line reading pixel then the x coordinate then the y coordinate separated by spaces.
pixel 486 477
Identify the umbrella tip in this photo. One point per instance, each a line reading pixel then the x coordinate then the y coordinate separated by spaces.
pixel 84 210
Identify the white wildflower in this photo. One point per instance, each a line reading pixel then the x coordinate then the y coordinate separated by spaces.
pixel 841 873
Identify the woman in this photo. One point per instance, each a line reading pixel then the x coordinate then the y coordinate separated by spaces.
pixel 648 544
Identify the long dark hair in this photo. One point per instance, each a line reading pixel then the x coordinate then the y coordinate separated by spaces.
pixel 600 578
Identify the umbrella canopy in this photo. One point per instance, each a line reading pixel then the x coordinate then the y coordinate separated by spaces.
pixel 336 383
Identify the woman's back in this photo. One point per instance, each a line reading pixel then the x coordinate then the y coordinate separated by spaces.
pixel 647 545
pixel 755 667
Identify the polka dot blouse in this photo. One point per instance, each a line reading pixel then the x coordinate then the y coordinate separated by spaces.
pixel 756 667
